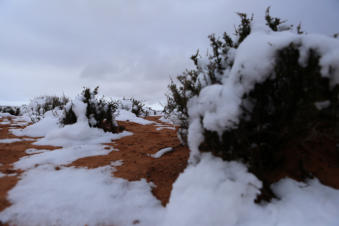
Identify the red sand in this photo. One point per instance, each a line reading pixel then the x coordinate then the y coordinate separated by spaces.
pixel 9 154
pixel 133 151
pixel 317 156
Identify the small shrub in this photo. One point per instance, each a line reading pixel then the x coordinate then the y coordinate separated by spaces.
pixel 135 106
pixel 99 112
pixel 138 107
pixel 10 109
pixel 38 106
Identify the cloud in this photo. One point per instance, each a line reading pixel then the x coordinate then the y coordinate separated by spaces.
pixel 129 48
pixel 101 70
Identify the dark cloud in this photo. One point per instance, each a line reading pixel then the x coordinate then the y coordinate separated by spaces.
pixel 129 48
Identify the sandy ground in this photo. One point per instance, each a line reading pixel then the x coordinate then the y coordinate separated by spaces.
pixel 9 154
pixel 317 156
pixel 134 151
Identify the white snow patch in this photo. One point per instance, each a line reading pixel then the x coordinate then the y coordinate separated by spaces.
pixel 40 128
pixel 20 124
pixel 13 140
pixel 5 122
pixel 35 151
pixel 60 156
pixel 165 127
pixel 2 114
pixel 78 134
pixel 73 196
pixel 129 116
pixel 304 204
pixel 10 140
pixel 165 120
pixel 117 163
pixel 2 174
pixel 28 139
pixel 214 192
pixel 161 152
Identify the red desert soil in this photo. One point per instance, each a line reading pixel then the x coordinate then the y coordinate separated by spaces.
pixel 9 154
pixel 317 156
pixel 134 151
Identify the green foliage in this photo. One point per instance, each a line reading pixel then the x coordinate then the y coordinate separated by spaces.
pixel 177 100
pixel 244 29
pixel 272 22
pixel 190 82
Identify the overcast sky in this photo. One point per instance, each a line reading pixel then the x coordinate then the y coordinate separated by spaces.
pixel 127 47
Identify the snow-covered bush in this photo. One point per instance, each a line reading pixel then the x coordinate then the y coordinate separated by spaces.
pixel 99 111
pixel 38 106
pixel 135 106
pixel 255 93
pixel 10 109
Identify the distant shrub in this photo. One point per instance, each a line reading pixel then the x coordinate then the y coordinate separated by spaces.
pixel 10 109
pixel 38 106
pixel 151 112
pixel 292 99
pixel 136 106
pixel 99 112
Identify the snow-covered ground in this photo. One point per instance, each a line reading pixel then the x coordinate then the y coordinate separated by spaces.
pixel 125 115
pixel 71 196
pixel 211 192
